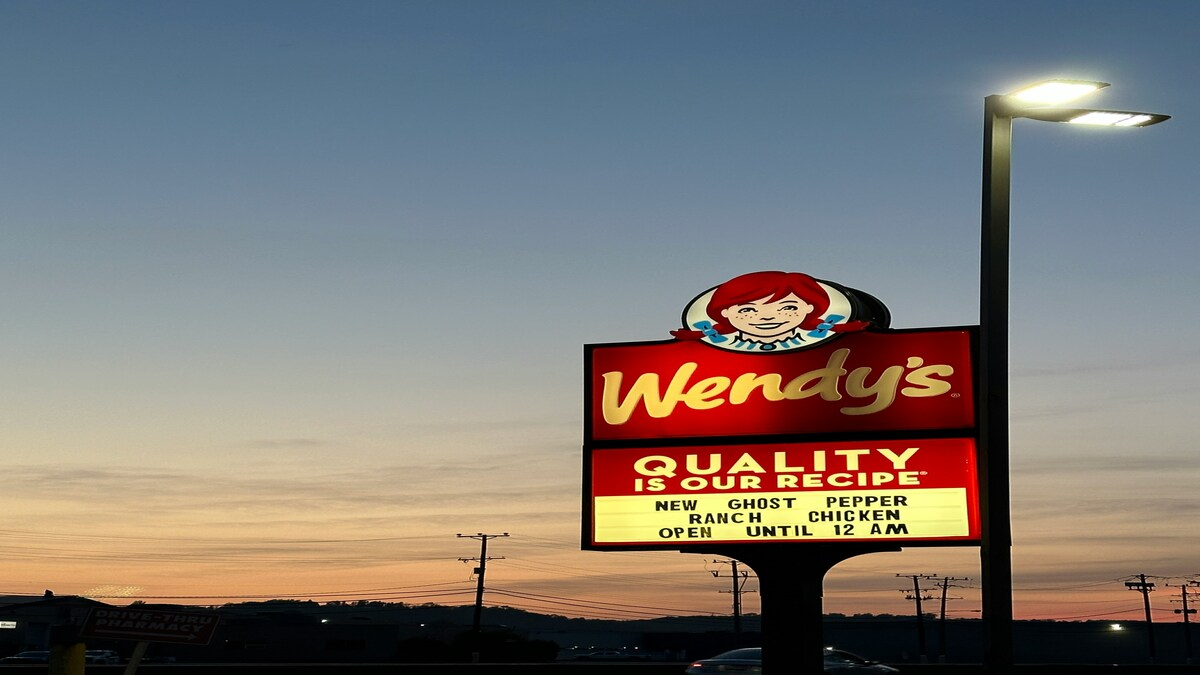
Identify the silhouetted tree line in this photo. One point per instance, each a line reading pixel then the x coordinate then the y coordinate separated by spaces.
pixel 492 646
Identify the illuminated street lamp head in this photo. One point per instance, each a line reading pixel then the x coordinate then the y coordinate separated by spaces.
pixel 1027 103
pixel 1112 118
pixel 1103 118
pixel 1052 92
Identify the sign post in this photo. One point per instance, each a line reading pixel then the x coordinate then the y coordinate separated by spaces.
pixel 785 426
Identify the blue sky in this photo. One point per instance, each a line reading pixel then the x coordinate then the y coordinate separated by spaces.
pixel 301 287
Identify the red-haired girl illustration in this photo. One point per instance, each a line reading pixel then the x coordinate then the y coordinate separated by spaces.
pixel 765 311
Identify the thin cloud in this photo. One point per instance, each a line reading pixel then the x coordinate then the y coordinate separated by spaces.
pixel 1097 464
pixel 1156 360
pixel 278 443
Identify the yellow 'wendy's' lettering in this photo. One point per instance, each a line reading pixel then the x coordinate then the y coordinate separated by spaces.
pixel 883 392
pixel 824 381
pixel 831 382
pixel 700 396
pixel 745 384
pixel 644 388
pixel 923 380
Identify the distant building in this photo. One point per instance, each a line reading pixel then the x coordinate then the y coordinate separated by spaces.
pixel 26 621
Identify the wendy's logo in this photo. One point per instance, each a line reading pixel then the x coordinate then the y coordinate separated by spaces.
pixel 772 312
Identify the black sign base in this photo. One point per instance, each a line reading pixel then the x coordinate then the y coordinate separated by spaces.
pixel 790 579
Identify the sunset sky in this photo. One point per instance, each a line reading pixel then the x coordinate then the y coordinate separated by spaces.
pixel 296 291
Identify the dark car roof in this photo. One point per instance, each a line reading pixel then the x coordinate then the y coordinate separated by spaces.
pixel 743 653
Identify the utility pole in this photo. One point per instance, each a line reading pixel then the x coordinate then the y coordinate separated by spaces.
pixel 1187 629
pixel 918 594
pixel 942 617
pixel 739 583
pixel 1144 587
pixel 483 558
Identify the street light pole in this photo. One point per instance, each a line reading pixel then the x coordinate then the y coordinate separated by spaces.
pixel 994 504
pixel 996 528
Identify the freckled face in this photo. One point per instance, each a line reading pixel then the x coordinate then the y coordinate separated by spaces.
pixel 765 319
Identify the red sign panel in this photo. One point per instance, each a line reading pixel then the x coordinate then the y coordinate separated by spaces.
pixel 904 491
pixel 870 381
pixel 150 625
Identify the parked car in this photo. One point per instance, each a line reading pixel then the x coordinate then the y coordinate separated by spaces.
pixel 838 661
pixel 745 660
pixel 27 657
pixel 749 660
pixel 101 656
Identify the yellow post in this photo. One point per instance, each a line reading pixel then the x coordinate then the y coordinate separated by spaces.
pixel 67 659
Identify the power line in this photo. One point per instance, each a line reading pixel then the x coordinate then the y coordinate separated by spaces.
pixel 277 596
pixel 610 610
pixel 592 602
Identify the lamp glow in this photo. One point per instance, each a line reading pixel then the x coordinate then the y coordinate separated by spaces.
pixel 1057 91
pixel 1135 121
pixel 1104 118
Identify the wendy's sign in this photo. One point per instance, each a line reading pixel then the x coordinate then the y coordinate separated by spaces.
pixel 780 354
pixel 865 381
pixel 784 409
